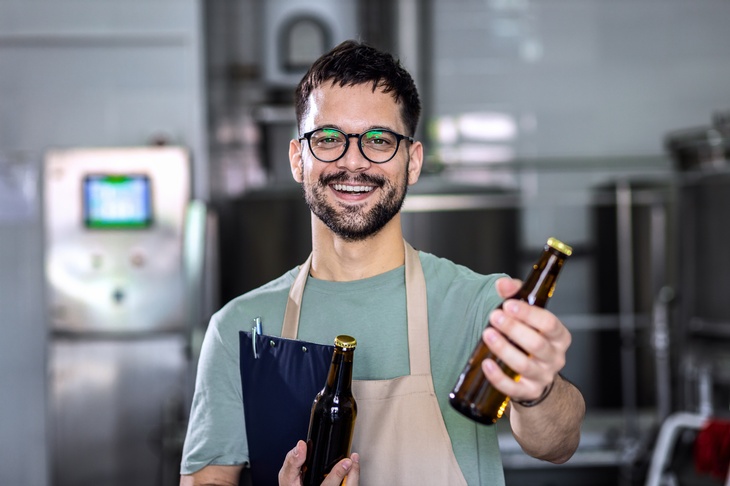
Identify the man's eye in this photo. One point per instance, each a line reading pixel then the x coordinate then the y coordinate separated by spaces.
pixel 328 137
pixel 377 138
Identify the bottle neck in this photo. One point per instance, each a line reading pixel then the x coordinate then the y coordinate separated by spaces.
pixel 539 285
pixel 339 378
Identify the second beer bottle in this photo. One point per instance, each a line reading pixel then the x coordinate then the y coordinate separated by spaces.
pixel 473 395
pixel 332 421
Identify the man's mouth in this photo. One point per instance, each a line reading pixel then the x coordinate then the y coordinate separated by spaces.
pixel 352 189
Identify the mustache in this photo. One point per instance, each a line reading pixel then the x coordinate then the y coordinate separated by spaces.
pixel 343 177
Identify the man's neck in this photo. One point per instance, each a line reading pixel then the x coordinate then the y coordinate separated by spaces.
pixel 342 260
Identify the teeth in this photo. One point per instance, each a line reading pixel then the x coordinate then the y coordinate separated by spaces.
pixel 344 188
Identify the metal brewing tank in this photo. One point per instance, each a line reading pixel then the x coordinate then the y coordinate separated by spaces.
pixel 701 157
pixel 631 225
pixel 266 232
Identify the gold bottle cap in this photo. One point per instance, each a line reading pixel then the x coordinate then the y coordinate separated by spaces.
pixel 344 341
pixel 560 246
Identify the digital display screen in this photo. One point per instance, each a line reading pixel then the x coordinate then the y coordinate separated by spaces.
pixel 117 201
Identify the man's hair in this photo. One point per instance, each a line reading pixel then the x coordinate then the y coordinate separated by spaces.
pixel 353 63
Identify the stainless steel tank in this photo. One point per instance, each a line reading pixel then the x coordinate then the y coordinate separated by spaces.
pixel 267 232
pixel 702 158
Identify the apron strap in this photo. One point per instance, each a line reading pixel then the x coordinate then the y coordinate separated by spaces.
pixel 416 310
pixel 290 329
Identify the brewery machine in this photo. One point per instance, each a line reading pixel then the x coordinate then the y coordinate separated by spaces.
pixel 125 271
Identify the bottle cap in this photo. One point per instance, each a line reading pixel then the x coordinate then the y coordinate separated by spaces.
pixel 560 246
pixel 344 341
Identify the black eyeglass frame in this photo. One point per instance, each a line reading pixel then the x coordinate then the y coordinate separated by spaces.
pixel 398 137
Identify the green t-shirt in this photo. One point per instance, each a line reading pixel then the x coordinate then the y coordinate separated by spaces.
pixel 374 311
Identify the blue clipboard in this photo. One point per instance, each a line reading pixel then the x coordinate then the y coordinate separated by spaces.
pixel 280 379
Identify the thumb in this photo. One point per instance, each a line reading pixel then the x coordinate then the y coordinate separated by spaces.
pixel 507 287
pixel 347 468
pixel 289 474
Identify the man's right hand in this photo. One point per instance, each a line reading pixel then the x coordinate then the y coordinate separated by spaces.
pixel 290 472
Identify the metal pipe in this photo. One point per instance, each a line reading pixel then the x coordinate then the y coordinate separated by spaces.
pixel 660 319
pixel 627 326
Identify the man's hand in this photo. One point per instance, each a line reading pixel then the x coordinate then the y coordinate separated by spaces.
pixel 538 332
pixel 290 473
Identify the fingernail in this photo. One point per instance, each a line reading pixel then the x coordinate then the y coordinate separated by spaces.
pixel 513 307
pixel 295 451
pixel 491 335
pixel 347 464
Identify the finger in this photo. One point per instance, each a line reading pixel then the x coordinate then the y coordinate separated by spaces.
pixel 339 471
pixel 353 477
pixel 546 352
pixel 512 356
pixel 534 374
pixel 520 389
pixel 520 333
pixel 507 287
pixel 289 474
pixel 536 317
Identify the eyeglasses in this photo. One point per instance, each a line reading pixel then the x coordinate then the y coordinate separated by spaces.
pixel 330 144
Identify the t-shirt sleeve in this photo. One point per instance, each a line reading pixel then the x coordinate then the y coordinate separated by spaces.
pixel 216 433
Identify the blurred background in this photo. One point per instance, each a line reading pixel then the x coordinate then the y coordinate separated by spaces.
pixel 144 182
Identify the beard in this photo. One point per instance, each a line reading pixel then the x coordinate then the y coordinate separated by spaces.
pixel 351 221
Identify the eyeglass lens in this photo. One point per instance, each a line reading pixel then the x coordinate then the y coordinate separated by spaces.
pixel 328 144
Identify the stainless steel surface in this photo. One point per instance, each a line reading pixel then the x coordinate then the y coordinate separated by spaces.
pixel 201 268
pixel 600 443
pixel 625 245
pixel 336 21
pixel 113 280
pixel 703 306
pixel 664 451
pixel 126 306
pixel 115 410
pixel 661 343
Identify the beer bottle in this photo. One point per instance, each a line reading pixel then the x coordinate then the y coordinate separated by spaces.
pixel 332 420
pixel 473 395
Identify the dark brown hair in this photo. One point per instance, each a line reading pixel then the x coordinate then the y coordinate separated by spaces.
pixel 353 63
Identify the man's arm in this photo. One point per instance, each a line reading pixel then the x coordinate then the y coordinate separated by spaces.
pixel 213 476
pixel 550 430
pixel 533 343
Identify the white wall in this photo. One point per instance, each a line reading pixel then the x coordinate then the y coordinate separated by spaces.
pixel 584 78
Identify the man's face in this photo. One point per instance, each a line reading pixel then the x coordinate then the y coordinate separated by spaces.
pixel 352 196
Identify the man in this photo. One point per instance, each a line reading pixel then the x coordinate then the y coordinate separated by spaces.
pixel 416 317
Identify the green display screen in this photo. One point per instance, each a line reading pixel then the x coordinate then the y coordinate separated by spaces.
pixel 117 201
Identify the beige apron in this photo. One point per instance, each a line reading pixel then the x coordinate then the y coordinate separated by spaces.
pixel 400 433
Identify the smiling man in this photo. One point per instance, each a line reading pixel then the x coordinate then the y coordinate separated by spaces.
pixel 415 316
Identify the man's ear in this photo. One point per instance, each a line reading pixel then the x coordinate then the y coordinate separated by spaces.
pixel 295 160
pixel 415 164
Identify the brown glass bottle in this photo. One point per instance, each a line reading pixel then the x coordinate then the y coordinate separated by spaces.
pixel 332 421
pixel 473 395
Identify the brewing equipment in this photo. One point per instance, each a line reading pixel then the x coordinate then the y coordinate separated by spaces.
pixel 702 158
pixel 472 225
pixel 122 254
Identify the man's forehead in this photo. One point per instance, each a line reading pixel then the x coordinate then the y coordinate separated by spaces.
pixel 331 102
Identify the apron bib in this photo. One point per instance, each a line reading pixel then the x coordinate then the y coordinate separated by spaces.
pixel 400 433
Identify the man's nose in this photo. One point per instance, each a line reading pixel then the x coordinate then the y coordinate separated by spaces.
pixel 353 159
